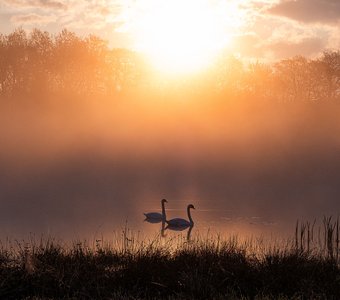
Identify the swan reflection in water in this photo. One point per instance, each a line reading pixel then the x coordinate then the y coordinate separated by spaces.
pixel 174 228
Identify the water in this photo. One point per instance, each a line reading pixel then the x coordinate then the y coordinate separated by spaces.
pixel 87 174
pixel 80 208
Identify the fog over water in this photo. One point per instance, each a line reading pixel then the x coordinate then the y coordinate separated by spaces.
pixel 77 171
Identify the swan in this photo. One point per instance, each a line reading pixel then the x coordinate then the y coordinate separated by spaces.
pixel 155 217
pixel 179 222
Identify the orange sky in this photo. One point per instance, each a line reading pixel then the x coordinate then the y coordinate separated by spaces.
pixel 259 29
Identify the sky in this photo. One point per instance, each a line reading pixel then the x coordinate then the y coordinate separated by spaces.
pixel 268 29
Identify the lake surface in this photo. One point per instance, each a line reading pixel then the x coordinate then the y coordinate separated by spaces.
pixel 98 220
pixel 248 171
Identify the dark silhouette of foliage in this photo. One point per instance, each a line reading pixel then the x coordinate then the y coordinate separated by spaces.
pixel 203 269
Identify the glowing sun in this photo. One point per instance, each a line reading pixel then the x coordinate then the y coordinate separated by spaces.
pixel 183 36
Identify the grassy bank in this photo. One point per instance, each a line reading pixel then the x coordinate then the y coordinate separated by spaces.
pixel 204 268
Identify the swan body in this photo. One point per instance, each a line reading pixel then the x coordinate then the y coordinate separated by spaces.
pixel 181 223
pixel 156 217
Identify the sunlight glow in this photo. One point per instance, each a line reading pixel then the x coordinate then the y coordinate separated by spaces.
pixel 183 36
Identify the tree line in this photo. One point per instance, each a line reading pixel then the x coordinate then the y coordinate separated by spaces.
pixel 39 63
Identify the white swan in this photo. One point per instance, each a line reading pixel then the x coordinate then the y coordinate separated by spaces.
pixel 179 222
pixel 156 217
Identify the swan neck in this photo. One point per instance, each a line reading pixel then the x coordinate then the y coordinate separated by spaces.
pixel 189 215
pixel 163 211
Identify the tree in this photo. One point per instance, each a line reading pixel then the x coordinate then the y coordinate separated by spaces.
pixel 259 80
pixel 292 79
pixel 330 68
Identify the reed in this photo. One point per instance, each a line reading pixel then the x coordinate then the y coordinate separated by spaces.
pixel 327 243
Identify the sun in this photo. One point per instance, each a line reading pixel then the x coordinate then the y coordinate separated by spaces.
pixel 183 36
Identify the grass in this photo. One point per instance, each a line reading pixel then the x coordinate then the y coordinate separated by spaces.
pixel 204 268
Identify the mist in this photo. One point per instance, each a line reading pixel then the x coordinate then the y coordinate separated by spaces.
pixel 74 170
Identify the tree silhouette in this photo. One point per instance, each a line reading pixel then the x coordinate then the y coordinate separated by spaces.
pixel 330 70
pixel 42 64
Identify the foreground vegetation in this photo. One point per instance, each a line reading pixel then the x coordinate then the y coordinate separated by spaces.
pixel 204 268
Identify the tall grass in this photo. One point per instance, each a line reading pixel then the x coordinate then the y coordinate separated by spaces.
pixel 210 267
pixel 323 238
